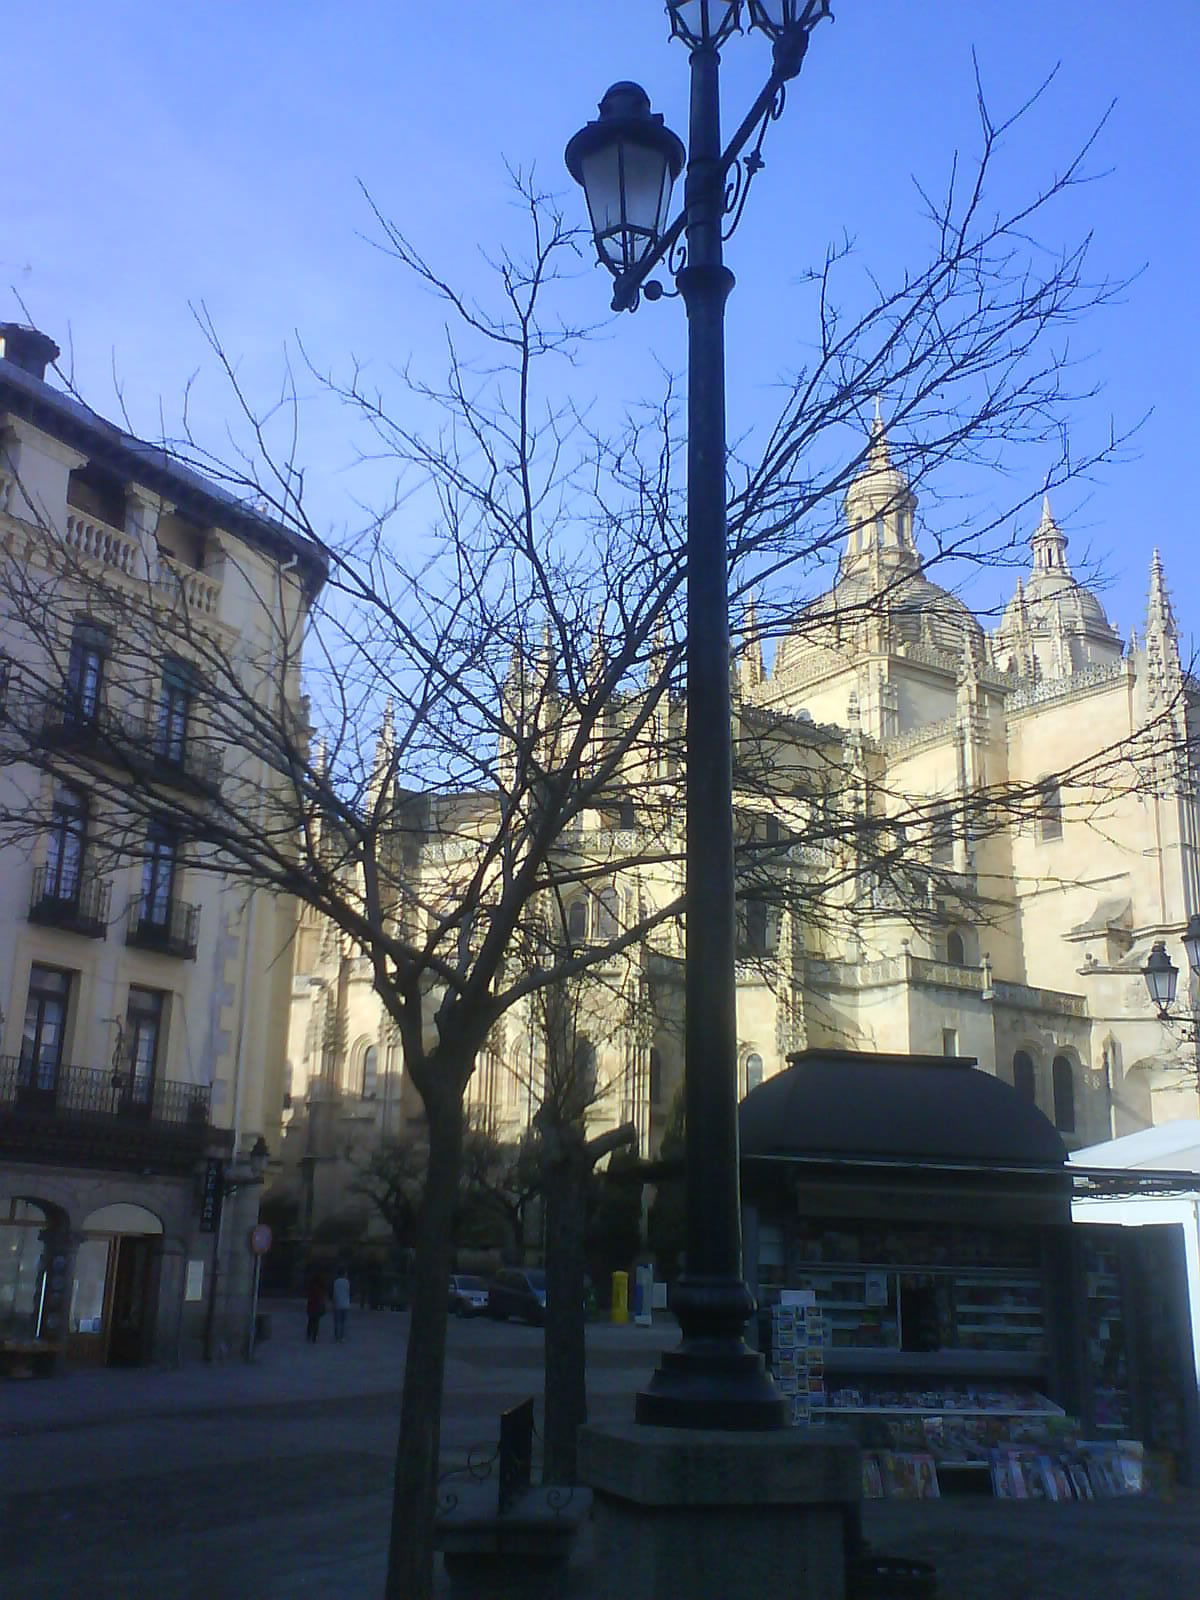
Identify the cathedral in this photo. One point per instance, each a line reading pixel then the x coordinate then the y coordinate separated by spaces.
pixel 1014 826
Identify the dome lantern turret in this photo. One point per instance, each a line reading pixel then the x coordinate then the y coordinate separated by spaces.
pixel 879 508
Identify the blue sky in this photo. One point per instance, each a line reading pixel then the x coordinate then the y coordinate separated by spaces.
pixel 161 155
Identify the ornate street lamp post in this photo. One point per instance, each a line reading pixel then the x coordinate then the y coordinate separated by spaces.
pixel 626 162
pixel 1162 976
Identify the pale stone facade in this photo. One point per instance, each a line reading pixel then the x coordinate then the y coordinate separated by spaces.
pixel 144 1002
pixel 1032 916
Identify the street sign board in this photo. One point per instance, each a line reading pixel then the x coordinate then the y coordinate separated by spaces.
pixel 212 1192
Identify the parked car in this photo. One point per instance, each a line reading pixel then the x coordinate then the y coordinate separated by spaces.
pixel 468 1295
pixel 518 1292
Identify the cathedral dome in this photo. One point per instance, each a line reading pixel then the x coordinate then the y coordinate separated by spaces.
pixel 913 610
pixel 1051 604
pixel 880 582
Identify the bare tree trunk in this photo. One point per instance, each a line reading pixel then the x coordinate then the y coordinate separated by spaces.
pixel 566 1352
pixel 414 1498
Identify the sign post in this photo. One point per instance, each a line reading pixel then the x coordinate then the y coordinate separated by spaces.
pixel 259 1242
pixel 212 1197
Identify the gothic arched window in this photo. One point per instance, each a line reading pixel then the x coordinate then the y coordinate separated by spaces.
pixel 956 950
pixel 1024 1077
pixel 941 841
pixel 1063 1082
pixel 577 921
pixel 752 927
pixel 370 1072
pixel 1049 815
pixel 754 1071
pixel 656 1076
pixel 582 1088
pixel 606 921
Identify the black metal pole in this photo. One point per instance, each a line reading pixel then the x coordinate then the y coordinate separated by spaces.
pixel 712 1379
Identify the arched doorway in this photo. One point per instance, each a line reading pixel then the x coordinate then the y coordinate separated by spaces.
pixel 116 1286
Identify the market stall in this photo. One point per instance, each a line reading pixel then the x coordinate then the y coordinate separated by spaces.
pixel 923 1207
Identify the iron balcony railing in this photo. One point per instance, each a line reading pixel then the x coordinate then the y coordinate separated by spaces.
pixel 76 902
pixel 171 929
pixel 189 762
pixel 57 718
pixel 85 1092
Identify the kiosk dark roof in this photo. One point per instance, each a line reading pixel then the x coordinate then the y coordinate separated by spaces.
pixel 848 1104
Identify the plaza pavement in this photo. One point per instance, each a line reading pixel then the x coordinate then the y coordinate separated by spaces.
pixel 271 1481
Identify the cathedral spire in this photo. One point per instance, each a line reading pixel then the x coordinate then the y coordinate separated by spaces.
pixel 878 454
pixel 751 671
pixel 1160 617
pixel 599 657
pixel 1049 543
pixel 1161 643
pixel 385 750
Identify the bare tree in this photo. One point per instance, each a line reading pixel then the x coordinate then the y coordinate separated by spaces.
pixel 574 1019
pixel 519 604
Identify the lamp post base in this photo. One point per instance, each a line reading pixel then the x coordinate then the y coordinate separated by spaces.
pixel 712 1379
pixel 712 1384
pixel 720 1516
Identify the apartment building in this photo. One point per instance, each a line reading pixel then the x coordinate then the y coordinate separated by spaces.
pixel 144 992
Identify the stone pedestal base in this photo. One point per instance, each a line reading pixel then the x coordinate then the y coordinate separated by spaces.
pixel 698 1515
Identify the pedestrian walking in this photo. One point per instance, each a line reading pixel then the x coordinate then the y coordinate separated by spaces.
pixel 341 1304
pixel 315 1306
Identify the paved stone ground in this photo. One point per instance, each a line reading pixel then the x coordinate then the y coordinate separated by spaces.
pixel 271 1481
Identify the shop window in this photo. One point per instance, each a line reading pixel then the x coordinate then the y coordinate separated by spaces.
pixel 1063 1082
pixel 754 1071
pixel 87 1292
pixel 22 1268
pixel 1024 1077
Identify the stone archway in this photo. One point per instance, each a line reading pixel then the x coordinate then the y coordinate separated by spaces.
pixel 115 1290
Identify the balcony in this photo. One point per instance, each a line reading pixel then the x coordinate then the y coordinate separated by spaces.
pixel 192 766
pixel 55 719
pixel 89 1116
pixel 172 930
pixel 186 763
pixel 76 905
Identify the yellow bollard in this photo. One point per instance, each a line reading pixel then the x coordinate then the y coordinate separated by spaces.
pixel 620 1297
